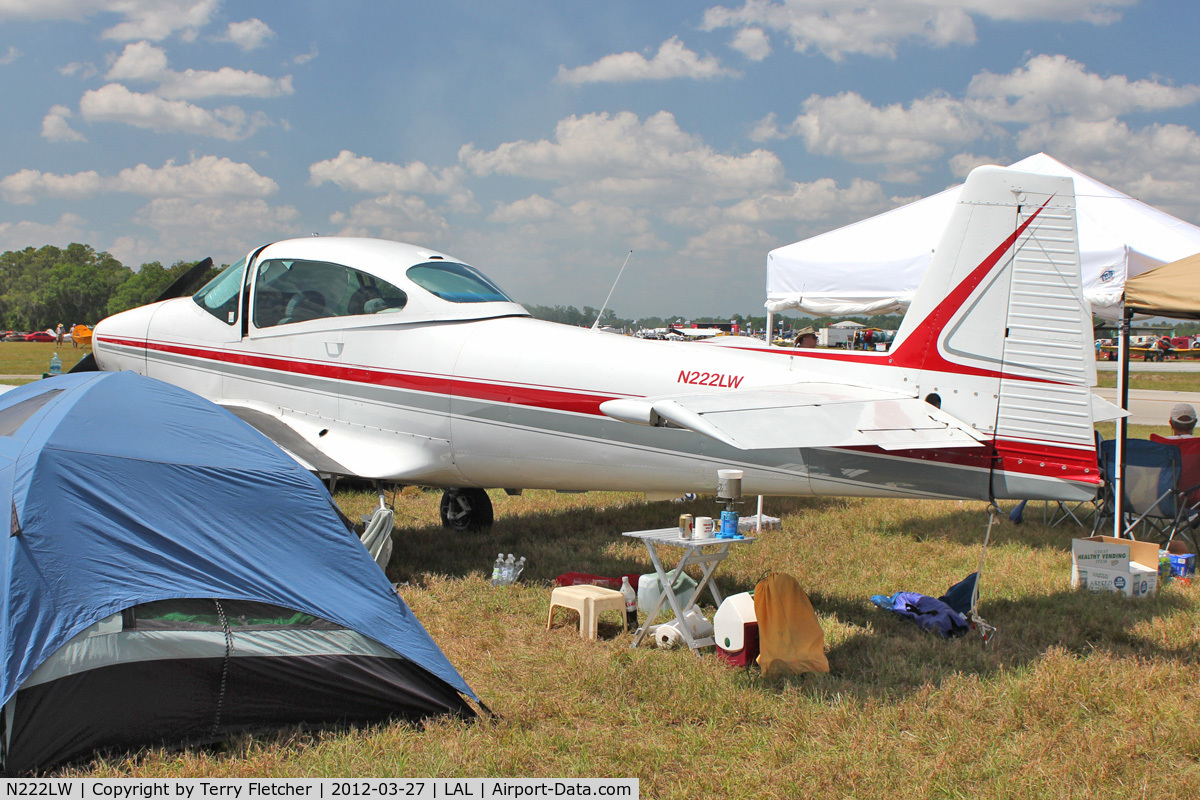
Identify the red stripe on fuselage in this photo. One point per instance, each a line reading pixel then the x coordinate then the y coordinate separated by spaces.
pixel 515 394
pixel 1013 455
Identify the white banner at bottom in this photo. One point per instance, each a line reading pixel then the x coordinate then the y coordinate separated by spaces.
pixel 319 788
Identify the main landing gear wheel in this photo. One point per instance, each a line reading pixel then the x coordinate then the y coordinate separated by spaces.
pixel 466 509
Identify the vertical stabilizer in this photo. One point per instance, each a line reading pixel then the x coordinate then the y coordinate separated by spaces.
pixel 1000 331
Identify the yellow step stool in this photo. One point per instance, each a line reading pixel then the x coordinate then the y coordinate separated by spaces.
pixel 590 602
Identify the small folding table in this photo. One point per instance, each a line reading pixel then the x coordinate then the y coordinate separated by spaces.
pixel 707 553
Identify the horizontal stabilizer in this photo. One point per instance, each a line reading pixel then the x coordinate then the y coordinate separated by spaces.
pixel 1104 411
pixel 803 415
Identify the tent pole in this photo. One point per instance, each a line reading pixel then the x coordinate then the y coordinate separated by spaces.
pixel 1123 394
pixel 767 336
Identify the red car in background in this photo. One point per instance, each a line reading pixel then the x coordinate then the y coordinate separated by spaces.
pixel 39 336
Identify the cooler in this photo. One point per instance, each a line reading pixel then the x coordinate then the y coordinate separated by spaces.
pixel 736 630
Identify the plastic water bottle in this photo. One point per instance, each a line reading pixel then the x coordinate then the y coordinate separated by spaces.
pixel 518 568
pixel 55 365
pixel 506 571
pixel 631 608
pixel 496 569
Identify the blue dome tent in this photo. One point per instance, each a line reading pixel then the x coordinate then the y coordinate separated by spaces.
pixel 170 576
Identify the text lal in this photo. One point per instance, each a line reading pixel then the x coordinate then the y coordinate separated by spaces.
pixel 555 789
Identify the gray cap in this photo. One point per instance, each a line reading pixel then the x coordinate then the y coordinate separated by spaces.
pixel 1184 414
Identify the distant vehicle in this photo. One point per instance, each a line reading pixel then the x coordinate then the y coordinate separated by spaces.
pixel 39 336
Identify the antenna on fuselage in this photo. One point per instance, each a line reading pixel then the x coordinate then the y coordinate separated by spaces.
pixel 596 324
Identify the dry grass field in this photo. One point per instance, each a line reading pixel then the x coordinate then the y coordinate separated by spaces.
pixel 1079 695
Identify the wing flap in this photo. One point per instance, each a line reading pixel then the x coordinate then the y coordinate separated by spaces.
pixel 807 415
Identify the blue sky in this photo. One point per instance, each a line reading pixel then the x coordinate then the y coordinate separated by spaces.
pixel 542 141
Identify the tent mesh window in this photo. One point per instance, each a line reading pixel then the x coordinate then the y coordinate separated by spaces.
pixel 203 614
pixel 13 417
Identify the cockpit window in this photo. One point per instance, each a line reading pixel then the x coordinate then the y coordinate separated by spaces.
pixel 219 296
pixel 457 283
pixel 294 290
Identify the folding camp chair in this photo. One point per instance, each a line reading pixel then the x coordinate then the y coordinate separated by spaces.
pixel 1154 503
pixel 1189 482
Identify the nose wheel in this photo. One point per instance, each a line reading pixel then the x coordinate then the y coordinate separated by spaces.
pixel 466 509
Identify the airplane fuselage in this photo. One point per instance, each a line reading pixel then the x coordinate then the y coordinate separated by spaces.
pixel 514 402
pixel 387 361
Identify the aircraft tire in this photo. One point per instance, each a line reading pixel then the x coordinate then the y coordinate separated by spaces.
pixel 466 509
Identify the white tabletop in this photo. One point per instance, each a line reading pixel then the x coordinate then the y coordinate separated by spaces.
pixel 670 536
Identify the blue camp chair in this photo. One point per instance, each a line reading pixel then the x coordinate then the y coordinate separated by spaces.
pixel 1154 501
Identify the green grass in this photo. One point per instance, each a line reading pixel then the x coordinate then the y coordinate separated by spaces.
pixel 1154 381
pixel 33 358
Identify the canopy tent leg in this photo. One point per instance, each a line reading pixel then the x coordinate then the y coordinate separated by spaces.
pixel 1122 393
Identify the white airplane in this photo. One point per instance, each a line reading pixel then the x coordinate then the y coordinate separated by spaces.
pixel 403 365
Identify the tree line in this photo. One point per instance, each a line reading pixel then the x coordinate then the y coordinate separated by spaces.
pixel 42 287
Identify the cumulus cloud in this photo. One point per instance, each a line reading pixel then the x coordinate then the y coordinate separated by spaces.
pixel 248 35
pixel 729 238
pixel 848 126
pixel 142 19
pixel 12 55
pixel 364 174
pixel 29 184
pixel 393 216
pixel 158 19
pixel 1157 163
pixel 1052 85
pixel 190 224
pixel 55 127
pixel 19 235
pixel 818 200
pixel 876 27
pixel 115 103
pixel 620 156
pixel 753 43
pixel 142 61
pixel 304 58
pixel 673 60
pixel 204 177
pixel 962 164
pixel 534 208
pixel 82 69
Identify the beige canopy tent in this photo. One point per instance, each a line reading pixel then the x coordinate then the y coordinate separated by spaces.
pixel 1172 290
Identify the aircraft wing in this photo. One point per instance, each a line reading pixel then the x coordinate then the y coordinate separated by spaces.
pixel 803 415
pixel 371 454
pixel 288 440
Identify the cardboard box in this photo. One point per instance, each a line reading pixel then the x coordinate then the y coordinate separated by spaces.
pixel 1183 565
pixel 1108 564
pixel 1133 583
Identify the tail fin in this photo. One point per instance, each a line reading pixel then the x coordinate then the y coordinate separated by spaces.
pixel 1000 332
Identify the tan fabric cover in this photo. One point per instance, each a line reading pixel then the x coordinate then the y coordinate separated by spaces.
pixel 1172 290
pixel 790 639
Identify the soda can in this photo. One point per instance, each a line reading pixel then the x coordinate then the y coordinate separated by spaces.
pixel 686 521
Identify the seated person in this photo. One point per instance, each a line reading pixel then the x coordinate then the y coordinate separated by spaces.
pixel 806 337
pixel 1183 421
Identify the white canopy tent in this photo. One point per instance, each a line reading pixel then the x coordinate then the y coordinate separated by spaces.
pixel 874 266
